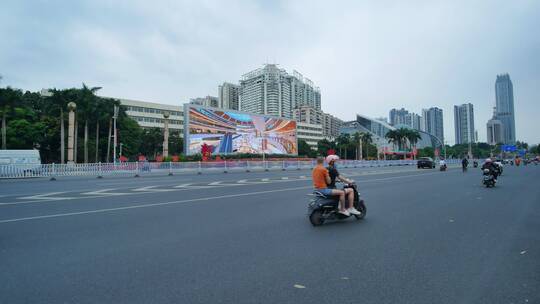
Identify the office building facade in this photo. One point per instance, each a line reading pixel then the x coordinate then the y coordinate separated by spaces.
pixel 464 123
pixel 504 96
pixel 310 133
pixel 150 114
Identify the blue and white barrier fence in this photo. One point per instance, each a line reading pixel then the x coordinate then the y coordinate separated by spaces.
pixel 147 168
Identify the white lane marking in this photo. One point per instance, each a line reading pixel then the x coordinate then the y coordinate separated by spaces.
pixel 221 184
pixel 45 196
pixel 183 185
pixel 148 205
pixel 303 176
pixel 264 180
pixel 151 189
pixel 105 192
pixel 245 181
pixel 284 177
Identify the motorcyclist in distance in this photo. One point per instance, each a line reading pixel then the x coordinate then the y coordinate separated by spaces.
pixel 464 163
pixel 488 164
pixel 442 163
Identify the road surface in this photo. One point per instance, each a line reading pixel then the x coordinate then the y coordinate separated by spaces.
pixel 429 237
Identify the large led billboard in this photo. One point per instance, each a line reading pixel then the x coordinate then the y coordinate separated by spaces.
pixel 227 131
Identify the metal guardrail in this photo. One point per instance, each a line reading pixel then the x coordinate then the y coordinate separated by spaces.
pixel 146 168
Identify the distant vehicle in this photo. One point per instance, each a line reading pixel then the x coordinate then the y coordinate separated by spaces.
pixel 19 162
pixel 426 162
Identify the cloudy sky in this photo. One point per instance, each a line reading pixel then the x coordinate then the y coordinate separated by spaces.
pixel 366 56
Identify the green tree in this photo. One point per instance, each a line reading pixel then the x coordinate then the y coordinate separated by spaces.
pixel 324 145
pixel 393 138
pixel 304 149
pixel 176 143
pixel 152 142
pixel 357 142
pixel 367 139
pixel 8 99
pixel 343 143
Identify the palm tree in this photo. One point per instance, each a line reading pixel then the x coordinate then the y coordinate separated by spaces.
pixel 59 100
pixel 366 139
pixel 343 142
pixel 393 137
pixel 357 139
pixel 413 136
pixel 88 108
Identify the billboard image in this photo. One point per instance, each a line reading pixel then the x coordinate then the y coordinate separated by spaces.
pixel 226 131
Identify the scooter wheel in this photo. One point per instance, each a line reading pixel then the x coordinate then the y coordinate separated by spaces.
pixel 362 208
pixel 316 218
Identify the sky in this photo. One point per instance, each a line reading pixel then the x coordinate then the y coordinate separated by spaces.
pixel 367 57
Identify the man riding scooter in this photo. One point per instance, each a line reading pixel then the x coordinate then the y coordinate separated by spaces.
pixel 488 164
pixel 322 181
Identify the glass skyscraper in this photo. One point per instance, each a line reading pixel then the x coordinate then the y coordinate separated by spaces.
pixel 504 95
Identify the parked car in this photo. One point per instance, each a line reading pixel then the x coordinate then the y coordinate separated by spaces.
pixel 426 162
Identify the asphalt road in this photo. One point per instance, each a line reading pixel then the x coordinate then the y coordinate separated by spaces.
pixel 429 237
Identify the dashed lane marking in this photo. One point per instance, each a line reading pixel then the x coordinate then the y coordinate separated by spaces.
pixel 105 192
pixel 151 189
pixel 45 196
pixel 105 210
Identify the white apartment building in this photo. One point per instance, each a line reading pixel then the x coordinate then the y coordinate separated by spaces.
pixel 308 114
pixel 331 126
pixel 305 113
pixel 150 115
pixel 272 91
pixel 311 133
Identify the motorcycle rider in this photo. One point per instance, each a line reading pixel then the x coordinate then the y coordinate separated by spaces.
pixel 464 163
pixel 488 164
pixel 442 163
pixel 321 180
pixel 334 175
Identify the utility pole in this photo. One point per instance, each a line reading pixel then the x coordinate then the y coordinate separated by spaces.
pixel 115 116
